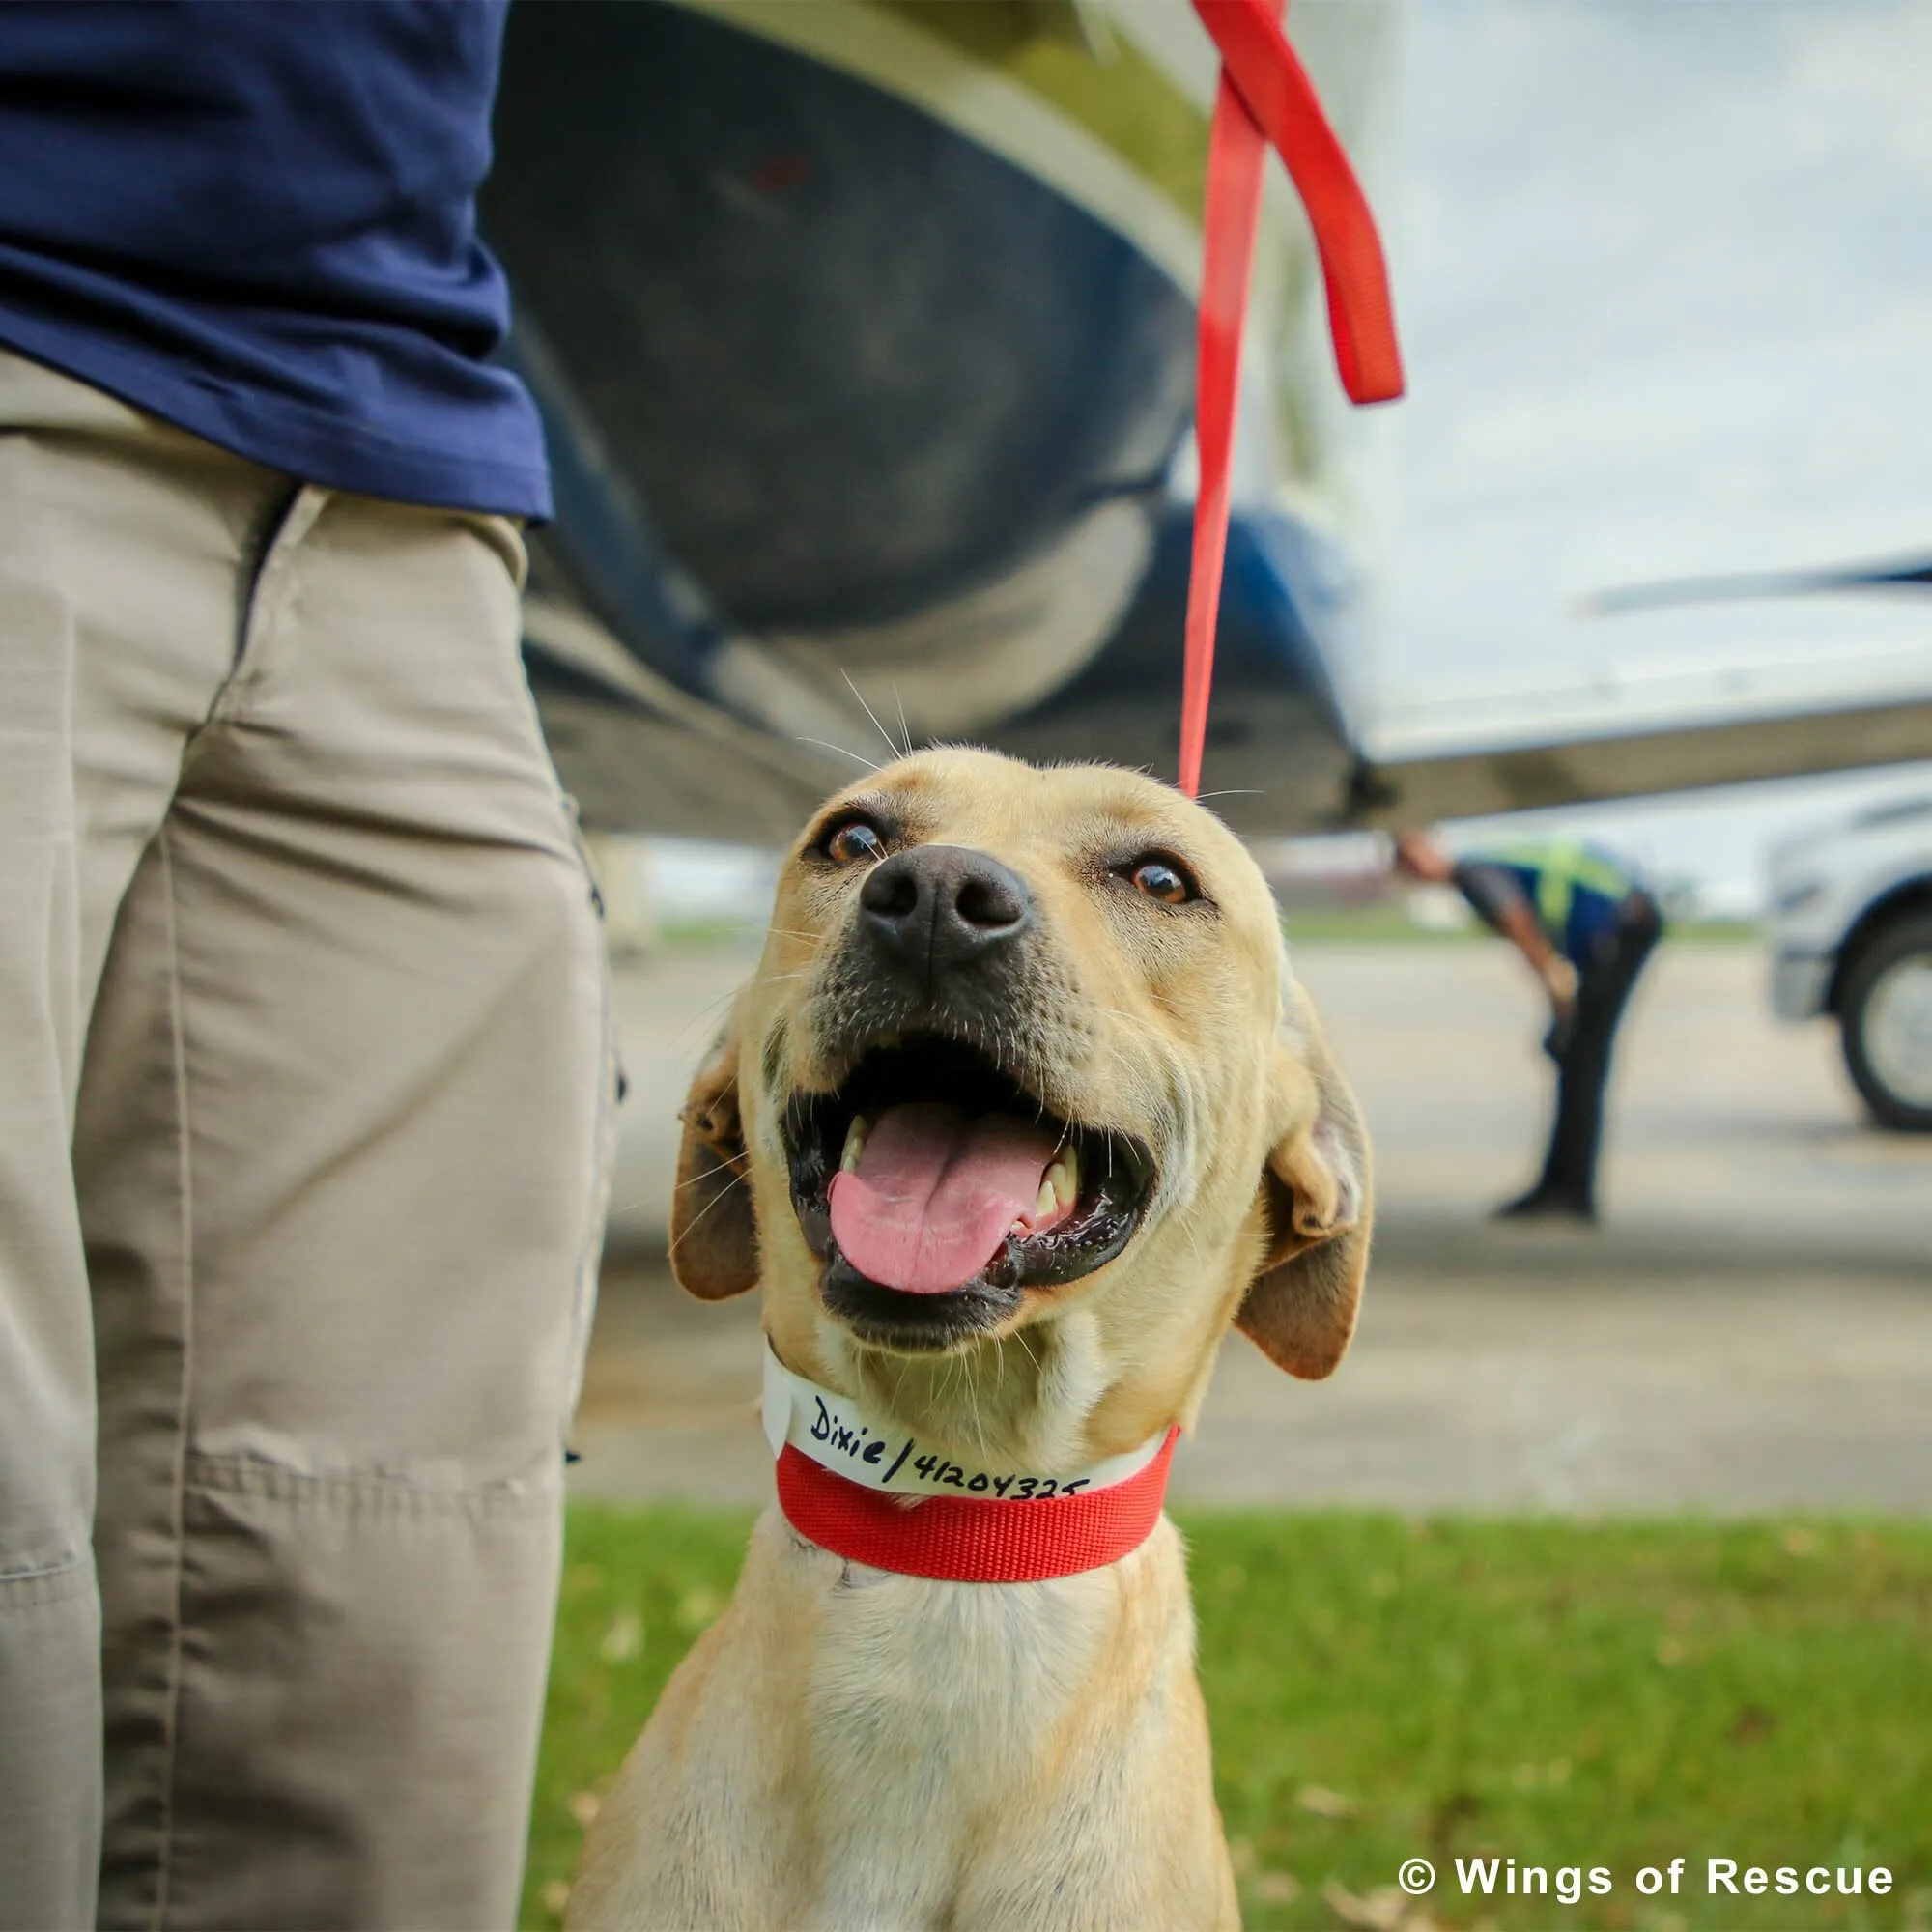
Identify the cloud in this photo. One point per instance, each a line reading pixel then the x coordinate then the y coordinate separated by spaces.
pixel 1666 280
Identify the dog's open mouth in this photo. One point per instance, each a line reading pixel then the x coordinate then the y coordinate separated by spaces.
pixel 937 1189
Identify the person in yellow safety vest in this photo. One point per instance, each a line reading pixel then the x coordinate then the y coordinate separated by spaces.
pixel 1586 926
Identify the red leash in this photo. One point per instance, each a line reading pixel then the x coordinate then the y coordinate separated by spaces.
pixel 1265 99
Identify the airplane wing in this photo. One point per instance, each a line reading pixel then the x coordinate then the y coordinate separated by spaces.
pixel 1821 707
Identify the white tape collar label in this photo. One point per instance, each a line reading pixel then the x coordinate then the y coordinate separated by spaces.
pixel 837 1435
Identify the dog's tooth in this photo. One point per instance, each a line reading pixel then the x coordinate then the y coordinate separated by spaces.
pixel 1043 1208
pixel 855 1144
pixel 1065 1175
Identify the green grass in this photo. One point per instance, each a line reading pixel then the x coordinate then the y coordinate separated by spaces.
pixel 1562 1693
pixel 1382 923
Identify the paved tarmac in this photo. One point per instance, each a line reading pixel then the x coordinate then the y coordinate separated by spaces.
pixel 1751 1328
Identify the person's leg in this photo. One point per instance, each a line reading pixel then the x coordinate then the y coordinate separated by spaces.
pixel 1570 1168
pixel 120 548
pixel 342 1160
pixel 49 1622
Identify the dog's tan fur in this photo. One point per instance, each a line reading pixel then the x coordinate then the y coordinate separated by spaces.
pixel 848 1748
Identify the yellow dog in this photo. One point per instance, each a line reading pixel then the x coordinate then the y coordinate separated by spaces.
pixel 1022 1110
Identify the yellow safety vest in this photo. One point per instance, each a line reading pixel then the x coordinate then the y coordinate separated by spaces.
pixel 1561 868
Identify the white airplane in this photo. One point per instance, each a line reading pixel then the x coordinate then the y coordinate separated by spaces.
pixel 864 331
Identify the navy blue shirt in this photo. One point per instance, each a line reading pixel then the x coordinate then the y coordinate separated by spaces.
pixel 257 219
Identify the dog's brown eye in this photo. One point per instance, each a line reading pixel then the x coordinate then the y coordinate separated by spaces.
pixel 854 841
pixel 1159 880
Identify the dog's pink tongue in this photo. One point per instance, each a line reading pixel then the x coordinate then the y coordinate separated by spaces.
pixel 935 1193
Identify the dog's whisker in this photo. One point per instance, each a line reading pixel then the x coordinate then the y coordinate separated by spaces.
pixel 826 744
pixel 723 1167
pixel 701 1018
pixel 1020 1336
pixel 683 1235
pixel 890 744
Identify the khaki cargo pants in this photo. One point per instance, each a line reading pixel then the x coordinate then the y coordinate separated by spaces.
pixel 303 1104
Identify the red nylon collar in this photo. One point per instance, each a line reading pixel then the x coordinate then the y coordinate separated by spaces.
pixel 973 1538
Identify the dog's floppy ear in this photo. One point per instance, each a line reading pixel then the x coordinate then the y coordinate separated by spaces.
pixel 1300 1309
pixel 714 1237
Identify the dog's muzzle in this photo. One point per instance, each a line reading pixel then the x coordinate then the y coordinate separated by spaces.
pixel 936 1179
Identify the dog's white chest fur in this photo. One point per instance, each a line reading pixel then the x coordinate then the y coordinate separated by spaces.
pixel 895 1753
pixel 929 1707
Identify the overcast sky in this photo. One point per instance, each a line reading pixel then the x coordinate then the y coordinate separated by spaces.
pixel 1665 278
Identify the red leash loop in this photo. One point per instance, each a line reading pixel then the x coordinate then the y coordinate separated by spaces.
pixel 1265 99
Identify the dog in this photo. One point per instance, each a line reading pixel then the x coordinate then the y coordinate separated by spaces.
pixel 1021 1112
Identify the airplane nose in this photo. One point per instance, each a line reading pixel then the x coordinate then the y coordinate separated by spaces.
pixel 937 909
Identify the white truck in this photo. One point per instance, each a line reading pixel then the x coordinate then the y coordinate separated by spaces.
pixel 1851 929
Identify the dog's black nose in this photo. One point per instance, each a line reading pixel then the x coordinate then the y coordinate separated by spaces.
pixel 938 908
